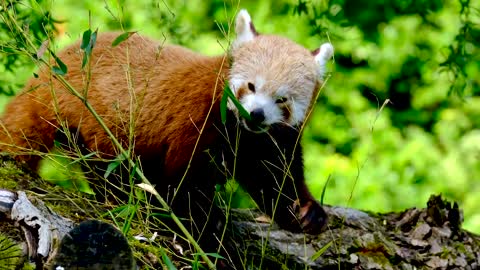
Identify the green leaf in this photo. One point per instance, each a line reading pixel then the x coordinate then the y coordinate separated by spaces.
pixel 128 220
pixel 86 39
pixel 167 261
pixel 91 44
pixel 214 255
pixel 113 165
pixel 58 71
pixel 61 69
pixel 227 93
pixel 195 263
pixel 93 39
pixel 88 42
pixel 84 187
pixel 121 38
pixel 321 251
pixel 160 215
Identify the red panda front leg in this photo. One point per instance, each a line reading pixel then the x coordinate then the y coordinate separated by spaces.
pixel 307 213
pixel 265 168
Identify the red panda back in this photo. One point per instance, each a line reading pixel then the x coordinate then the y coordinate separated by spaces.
pixel 166 92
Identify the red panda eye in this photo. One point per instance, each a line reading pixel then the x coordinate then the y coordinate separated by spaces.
pixel 281 100
pixel 251 87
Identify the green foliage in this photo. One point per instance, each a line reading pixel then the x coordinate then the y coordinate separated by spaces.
pixel 10 253
pixel 37 21
pixel 88 42
pixel 61 69
pixel 166 260
pixel 121 38
pixel 413 53
pixel 64 172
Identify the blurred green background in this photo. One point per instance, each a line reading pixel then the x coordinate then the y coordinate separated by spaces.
pixel 423 56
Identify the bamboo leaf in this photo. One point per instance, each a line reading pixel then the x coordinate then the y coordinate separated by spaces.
pixel 215 255
pixel 113 165
pixel 93 39
pixel 228 94
pixel 86 39
pixel 58 71
pixel 91 43
pixel 121 38
pixel 88 42
pixel 61 69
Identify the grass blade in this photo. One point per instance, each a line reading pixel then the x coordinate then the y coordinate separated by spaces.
pixel 167 261
pixel 324 189
pixel 321 251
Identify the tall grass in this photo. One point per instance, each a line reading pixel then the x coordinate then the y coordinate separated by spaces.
pixel 138 210
pixel 58 70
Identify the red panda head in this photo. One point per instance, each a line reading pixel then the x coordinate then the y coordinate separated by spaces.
pixel 274 78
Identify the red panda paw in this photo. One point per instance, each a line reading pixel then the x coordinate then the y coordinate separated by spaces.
pixel 311 216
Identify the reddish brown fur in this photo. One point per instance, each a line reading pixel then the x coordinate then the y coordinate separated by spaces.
pixel 173 88
pixel 174 92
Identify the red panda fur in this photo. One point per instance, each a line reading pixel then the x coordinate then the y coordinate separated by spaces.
pixel 174 90
pixel 171 93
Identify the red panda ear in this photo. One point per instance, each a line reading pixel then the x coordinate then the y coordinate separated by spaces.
pixel 322 55
pixel 244 28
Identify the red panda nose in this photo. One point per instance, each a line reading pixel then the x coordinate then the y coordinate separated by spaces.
pixel 257 115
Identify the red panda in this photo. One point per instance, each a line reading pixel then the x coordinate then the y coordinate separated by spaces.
pixel 172 97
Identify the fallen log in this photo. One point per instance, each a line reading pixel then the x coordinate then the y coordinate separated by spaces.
pixel 428 238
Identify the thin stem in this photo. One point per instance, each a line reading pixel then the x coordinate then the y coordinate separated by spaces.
pixel 114 140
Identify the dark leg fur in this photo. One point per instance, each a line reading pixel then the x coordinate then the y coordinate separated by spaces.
pixel 270 167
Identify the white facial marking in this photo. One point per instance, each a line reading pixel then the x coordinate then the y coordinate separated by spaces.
pixel 242 28
pixel 284 92
pixel 259 83
pixel 235 83
pixel 259 101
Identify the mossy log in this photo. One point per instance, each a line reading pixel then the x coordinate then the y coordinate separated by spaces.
pixel 429 238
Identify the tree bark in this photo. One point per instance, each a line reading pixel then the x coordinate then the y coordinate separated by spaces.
pixel 428 238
